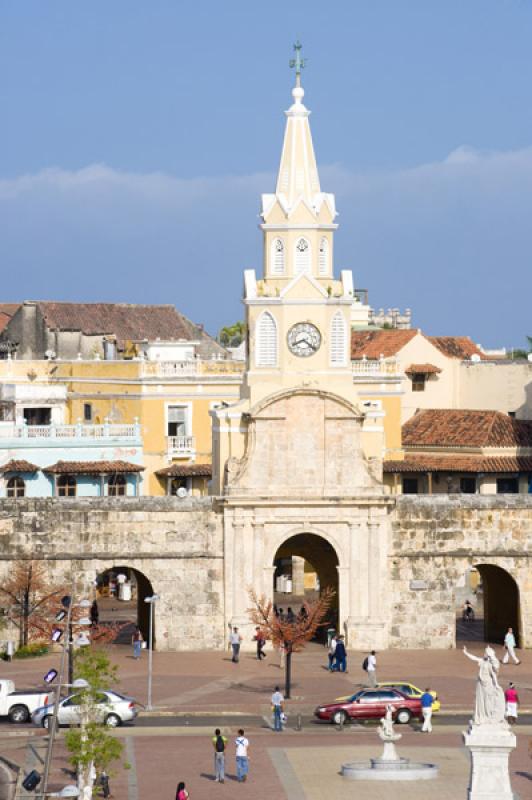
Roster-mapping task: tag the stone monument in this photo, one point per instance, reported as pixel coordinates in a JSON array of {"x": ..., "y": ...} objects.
[{"x": 489, "y": 738}]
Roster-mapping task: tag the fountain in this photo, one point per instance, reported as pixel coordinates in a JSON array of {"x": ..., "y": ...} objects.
[{"x": 390, "y": 766}]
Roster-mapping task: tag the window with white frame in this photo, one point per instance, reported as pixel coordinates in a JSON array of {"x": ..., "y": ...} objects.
[
  {"x": 323, "y": 261},
  {"x": 338, "y": 340},
  {"x": 177, "y": 421},
  {"x": 277, "y": 257},
  {"x": 266, "y": 341},
  {"x": 302, "y": 256}
]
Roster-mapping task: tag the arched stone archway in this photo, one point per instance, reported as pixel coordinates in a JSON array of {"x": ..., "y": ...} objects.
[
  {"x": 312, "y": 563},
  {"x": 124, "y": 601},
  {"x": 501, "y": 603}
]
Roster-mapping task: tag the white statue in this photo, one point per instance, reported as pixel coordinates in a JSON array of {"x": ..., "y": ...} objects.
[
  {"x": 489, "y": 699},
  {"x": 387, "y": 724}
]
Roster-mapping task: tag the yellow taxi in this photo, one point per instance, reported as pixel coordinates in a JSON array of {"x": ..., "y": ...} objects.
[{"x": 406, "y": 688}]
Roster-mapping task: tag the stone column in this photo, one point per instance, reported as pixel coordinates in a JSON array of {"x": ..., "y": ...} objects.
[
  {"x": 298, "y": 575},
  {"x": 490, "y": 746}
]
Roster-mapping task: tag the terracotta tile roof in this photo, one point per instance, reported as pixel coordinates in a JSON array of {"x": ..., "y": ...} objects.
[
  {"x": 425, "y": 369},
  {"x": 92, "y": 467},
  {"x": 18, "y": 465},
  {"x": 125, "y": 321},
  {"x": 373, "y": 344},
  {"x": 6, "y": 312},
  {"x": 461, "y": 428},
  {"x": 419, "y": 463},
  {"x": 185, "y": 471},
  {"x": 457, "y": 347}
]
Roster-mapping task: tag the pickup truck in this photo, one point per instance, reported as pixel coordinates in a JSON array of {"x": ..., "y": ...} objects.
[{"x": 19, "y": 706}]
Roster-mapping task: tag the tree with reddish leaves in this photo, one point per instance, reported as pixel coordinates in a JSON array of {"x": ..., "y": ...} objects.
[
  {"x": 292, "y": 636},
  {"x": 32, "y": 601}
]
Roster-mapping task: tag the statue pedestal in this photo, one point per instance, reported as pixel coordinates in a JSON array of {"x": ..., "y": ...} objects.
[{"x": 490, "y": 746}]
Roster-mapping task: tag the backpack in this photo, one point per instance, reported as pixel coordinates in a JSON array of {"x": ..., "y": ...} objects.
[
  {"x": 220, "y": 744},
  {"x": 365, "y": 664}
]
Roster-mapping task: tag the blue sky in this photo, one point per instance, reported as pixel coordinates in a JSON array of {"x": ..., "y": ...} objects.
[{"x": 137, "y": 138}]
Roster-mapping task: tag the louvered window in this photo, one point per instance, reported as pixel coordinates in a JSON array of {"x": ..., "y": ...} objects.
[
  {"x": 177, "y": 421},
  {"x": 277, "y": 257},
  {"x": 302, "y": 259},
  {"x": 266, "y": 341},
  {"x": 323, "y": 264},
  {"x": 338, "y": 340}
]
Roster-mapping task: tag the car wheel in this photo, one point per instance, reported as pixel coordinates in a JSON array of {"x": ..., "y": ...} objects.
[
  {"x": 113, "y": 720},
  {"x": 404, "y": 716},
  {"x": 339, "y": 717},
  {"x": 46, "y": 721},
  {"x": 18, "y": 714}
]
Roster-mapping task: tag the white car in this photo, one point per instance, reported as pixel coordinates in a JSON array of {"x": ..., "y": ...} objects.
[
  {"x": 112, "y": 709},
  {"x": 18, "y": 705}
]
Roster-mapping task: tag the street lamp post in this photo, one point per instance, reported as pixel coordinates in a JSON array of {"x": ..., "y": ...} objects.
[{"x": 151, "y": 600}]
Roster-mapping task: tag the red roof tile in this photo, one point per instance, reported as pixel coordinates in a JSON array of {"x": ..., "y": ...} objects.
[
  {"x": 464, "y": 428},
  {"x": 92, "y": 467},
  {"x": 457, "y": 347},
  {"x": 424, "y": 369},
  {"x": 375, "y": 343},
  {"x": 18, "y": 465},
  {"x": 420, "y": 463},
  {"x": 185, "y": 471},
  {"x": 6, "y": 312}
]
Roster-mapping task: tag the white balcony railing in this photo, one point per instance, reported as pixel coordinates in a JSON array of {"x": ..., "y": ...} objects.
[
  {"x": 80, "y": 431},
  {"x": 181, "y": 445},
  {"x": 376, "y": 367},
  {"x": 170, "y": 369}
]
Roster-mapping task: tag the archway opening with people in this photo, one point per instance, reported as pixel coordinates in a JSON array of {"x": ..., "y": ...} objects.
[
  {"x": 487, "y": 604},
  {"x": 121, "y": 592},
  {"x": 305, "y": 565}
]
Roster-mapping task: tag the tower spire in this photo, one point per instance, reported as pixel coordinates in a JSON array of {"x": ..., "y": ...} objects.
[{"x": 298, "y": 63}]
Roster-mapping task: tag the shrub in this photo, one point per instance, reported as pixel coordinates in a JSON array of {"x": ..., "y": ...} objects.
[{"x": 31, "y": 650}]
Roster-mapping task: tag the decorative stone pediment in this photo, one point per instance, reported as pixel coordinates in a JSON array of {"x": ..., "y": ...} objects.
[{"x": 303, "y": 443}]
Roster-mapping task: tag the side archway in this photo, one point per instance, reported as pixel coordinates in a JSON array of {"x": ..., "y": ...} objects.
[
  {"x": 120, "y": 593},
  {"x": 501, "y": 603}
]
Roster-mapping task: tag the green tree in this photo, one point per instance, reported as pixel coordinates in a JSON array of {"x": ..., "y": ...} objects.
[
  {"x": 92, "y": 748},
  {"x": 232, "y": 335},
  {"x": 520, "y": 352}
]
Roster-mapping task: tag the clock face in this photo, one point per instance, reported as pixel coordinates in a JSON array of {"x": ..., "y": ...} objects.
[{"x": 304, "y": 339}]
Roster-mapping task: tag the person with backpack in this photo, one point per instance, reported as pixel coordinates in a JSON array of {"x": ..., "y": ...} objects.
[
  {"x": 219, "y": 742},
  {"x": 369, "y": 665}
]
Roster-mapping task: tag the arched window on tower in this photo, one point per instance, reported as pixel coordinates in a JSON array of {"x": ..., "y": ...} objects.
[
  {"x": 302, "y": 257},
  {"x": 338, "y": 340},
  {"x": 323, "y": 261},
  {"x": 277, "y": 257},
  {"x": 266, "y": 341}
]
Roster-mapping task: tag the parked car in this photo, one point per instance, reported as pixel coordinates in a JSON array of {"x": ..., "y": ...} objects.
[
  {"x": 402, "y": 686},
  {"x": 112, "y": 709},
  {"x": 371, "y": 704},
  {"x": 18, "y": 705}
]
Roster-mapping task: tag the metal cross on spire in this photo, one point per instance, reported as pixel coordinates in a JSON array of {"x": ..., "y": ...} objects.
[{"x": 298, "y": 62}]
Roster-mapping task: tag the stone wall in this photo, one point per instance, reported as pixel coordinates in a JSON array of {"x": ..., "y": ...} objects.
[
  {"x": 176, "y": 544},
  {"x": 435, "y": 540}
]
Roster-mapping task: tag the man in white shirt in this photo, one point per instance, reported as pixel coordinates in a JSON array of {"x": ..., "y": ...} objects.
[
  {"x": 277, "y": 708},
  {"x": 242, "y": 758},
  {"x": 332, "y": 650},
  {"x": 235, "y": 639},
  {"x": 509, "y": 644},
  {"x": 372, "y": 669}
]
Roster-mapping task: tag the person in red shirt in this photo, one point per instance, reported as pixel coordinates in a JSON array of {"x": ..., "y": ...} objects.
[{"x": 512, "y": 701}]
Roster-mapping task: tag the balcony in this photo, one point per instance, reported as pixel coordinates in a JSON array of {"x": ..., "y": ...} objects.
[
  {"x": 48, "y": 434},
  {"x": 170, "y": 369},
  {"x": 215, "y": 367},
  {"x": 376, "y": 368},
  {"x": 180, "y": 446}
]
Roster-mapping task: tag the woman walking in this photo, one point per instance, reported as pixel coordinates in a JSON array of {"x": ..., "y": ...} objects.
[
  {"x": 181, "y": 792},
  {"x": 136, "y": 641}
]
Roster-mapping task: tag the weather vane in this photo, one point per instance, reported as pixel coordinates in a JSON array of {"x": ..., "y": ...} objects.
[{"x": 298, "y": 62}]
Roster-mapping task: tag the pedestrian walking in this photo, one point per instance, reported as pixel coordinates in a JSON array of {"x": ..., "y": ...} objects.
[
  {"x": 94, "y": 613},
  {"x": 340, "y": 655},
  {"x": 136, "y": 641},
  {"x": 181, "y": 791},
  {"x": 468, "y": 614},
  {"x": 277, "y": 709},
  {"x": 235, "y": 640},
  {"x": 282, "y": 651},
  {"x": 104, "y": 783},
  {"x": 512, "y": 701},
  {"x": 509, "y": 646},
  {"x": 427, "y": 701},
  {"x": 290, "y": 616},
  {"x": 219, "y": 742},
  {"x": 370, "y": 665},
  {"x": 242, "y": 757},
  {"x": 261, "y": 641},
  {"x": 332, "y": 648}
]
